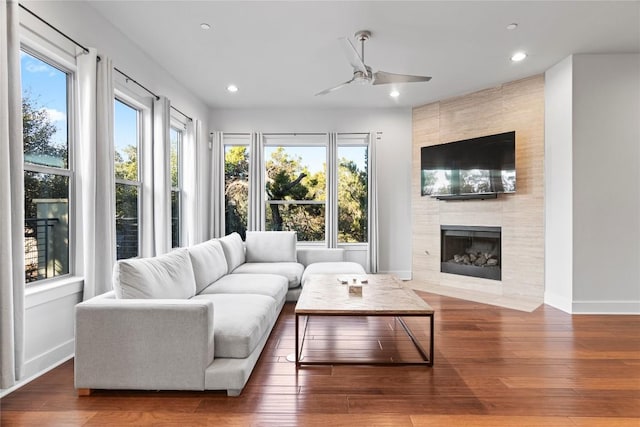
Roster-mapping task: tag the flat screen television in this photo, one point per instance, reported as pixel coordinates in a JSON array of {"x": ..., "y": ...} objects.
[{"x": 477, "y": 168}]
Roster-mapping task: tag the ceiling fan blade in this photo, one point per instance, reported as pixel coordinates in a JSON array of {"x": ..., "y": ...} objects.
[
  {"x": 352, "y": 55},
  {"x": 383, "y": 78},
  {"x": 331, "y": 89}
]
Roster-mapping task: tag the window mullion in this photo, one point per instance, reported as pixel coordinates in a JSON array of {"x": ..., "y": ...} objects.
[
  {"x": 128, "y": 182},
  {"x": 30, "y": 167},
  {"x": 296, "y": 202}
]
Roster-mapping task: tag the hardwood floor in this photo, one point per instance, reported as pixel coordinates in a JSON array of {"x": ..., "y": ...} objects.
[{"x": 493, "y": 367}]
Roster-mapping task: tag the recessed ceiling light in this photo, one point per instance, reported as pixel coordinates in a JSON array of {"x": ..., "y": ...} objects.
[
  {"x": 394, "y": 94},
  {"x": 205, "y": 26},
  {"x": 518, "y": 56},
  {"x": 232, "y": 88},
  {"x": 512, "y": 26}
]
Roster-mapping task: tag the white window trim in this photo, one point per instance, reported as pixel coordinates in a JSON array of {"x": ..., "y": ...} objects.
[
  {"x": 296, "y": 139},
  {"x": 138, "y": 183},
  {"x": 38, "y": 37},
  {"x": 143, "y": 104},
  {"x": 311, "y": 139},
  {"x": 358, "y": 139},
  {"x": 234, "y": 140},
  {"x": 296, "y": 202},
  {"x": 47, "y": 54},
  {"x": 300, "y": 139},
  {"x": 178, "y": 123}
]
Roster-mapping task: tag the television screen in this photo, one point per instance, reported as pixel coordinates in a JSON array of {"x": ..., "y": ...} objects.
[{"x": 478, "y": 166}]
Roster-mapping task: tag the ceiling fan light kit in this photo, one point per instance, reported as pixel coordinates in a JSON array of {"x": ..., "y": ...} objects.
[{"x": 362, "y": 73}]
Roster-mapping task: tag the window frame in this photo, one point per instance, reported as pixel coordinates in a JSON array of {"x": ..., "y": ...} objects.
[
  {"x": 143, "y": 110},
  {"x": 257, "y": 181},
  {"x": 181, "y": 127},
  {"x": 350, "y": 140},
  {"x": 235, "y": 140},
  {"x": 47, "y": 55},
  {"x": 302, "y": 140}
]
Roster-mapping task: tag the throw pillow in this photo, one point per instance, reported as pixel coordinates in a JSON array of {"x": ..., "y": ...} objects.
[
  {"x": 233, "y": 250},
  {"x": 209, "y": 263},
  {"x": 271, "y": 246},
  {"x": 165, "y": 276}
]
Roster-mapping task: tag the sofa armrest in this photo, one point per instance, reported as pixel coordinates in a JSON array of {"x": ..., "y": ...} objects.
[
  {"x": 308, "y": 256},
  {"x": 143, "y": 344}
]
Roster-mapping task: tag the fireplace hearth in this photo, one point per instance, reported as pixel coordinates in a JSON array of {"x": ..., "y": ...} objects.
[{"x": 471, "y": 251}]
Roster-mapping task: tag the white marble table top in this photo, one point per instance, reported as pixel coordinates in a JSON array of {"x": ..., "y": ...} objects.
[{"x": 384, "y": 294}]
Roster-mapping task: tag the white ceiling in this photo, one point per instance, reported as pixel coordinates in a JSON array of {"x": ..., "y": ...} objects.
[{"x": 281, "y": 53}]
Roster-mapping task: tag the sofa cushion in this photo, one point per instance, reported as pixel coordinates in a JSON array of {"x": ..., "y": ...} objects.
[
  {"x": 165, "y": 276},
  {"x": 233, "y": 250},
  {"x": 271, "y": 246},
  {"x": 307, "y": 256},
  {"x": 240, "y": 321},
  {"x": 341, "y": 267},
  {"x": 209, "y": 263},
  {"x": 271, "y": 285},
  {"x": 291, "y": 270}
]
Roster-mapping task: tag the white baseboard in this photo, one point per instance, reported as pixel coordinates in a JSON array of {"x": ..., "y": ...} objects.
[
  {"x": 400, "y": 274},
  {"x": 51, "y": 360},
  {"x": 606, "y": 307},
  {"x": 557, "y": 301},
  {"x": 591, "y": 307}
]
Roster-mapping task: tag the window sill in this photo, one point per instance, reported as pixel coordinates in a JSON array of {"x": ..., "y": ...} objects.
[
  {"x": 345, "y": 246},
  {"x": 354, "y": 246},
  {"x": 302, "y": 244},
  {"x": 52, "y": 290}
]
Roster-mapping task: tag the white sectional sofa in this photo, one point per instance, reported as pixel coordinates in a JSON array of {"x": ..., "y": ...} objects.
[{"x": 196, "y": 318}]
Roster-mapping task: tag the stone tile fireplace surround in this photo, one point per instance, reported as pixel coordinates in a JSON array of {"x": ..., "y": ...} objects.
[{"x": 517, "y": 106}]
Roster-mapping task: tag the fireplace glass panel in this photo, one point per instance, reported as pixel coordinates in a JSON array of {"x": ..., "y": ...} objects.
[{"x": 471, "y": 251}]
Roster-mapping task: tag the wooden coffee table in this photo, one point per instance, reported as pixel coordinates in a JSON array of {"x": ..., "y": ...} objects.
[{"x": 383, "y": 295}]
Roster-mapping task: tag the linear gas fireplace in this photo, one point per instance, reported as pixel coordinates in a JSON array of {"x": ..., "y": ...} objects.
[{"x": 471, "y": 251}]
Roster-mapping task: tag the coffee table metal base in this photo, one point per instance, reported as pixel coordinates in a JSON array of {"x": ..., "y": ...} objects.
[{"x": 426, "y": 359}]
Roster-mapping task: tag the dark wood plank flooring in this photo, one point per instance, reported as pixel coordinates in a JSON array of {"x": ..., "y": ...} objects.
[{"x": 493, "y": 367}]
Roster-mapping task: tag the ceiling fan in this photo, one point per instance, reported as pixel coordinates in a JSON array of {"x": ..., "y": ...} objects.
[{"x": 362, "y": 73}]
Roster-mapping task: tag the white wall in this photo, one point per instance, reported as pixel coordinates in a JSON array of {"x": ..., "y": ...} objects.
[
  {"x": 394, "y": 161},
  {"x": 49, "y": 308},
  {"x": 84, "y": 24},
  {"x": 593, "y": 159},
  {"x": 606, "y": 181},
  {"x": 558, "y": 167},
  {"x": 49, "y": 324}
]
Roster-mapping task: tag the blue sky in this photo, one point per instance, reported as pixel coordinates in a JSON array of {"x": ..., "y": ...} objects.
[
  {"x": 315, "y": 157},
  {"x": 47, "y": 87},
  {"x": 125, "y": 123},
  {"x": 355, "y": 153}
]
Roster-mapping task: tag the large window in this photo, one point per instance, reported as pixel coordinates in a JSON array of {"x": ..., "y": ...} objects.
[
  {"x": 312, "y": 183},
  {"x": 128, "y": 183},
  {"x": 296, "y": 187},
  {"x": 352, "y": 193},
  {"x": 175, "y": 170},
  {"x": 236, "y": 186},
  {"x": 47, "y": 172}
]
